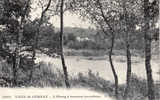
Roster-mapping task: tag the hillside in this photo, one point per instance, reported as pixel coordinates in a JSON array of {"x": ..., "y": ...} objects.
[{"x": 81, "y": 32}]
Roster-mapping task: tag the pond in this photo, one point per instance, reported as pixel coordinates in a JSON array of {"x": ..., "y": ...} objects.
[{"x": 76, "y": 64}]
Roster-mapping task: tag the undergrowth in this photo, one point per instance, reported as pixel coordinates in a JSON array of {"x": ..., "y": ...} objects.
[{"x": 48, "y": 76}]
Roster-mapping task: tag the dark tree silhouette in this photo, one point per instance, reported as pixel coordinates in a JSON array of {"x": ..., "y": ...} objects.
[
  {"x": 61, "y": 46},
  {"x": 128, "y": 54},
  {"x": 36, "y": 38},
  {"x": 100, "y": 15},
  {"x": 147, "y": 37},
  {"x": 111, "y": 48}
]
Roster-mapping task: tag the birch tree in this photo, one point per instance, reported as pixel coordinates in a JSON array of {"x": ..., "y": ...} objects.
[
  {"x": 103, "y": 15},
  {"x": 14, "y": 17},
  {"x": 61, "y": 44},
  {"x": 149, "y": 14},
  {"x": 36, "y": 37}
]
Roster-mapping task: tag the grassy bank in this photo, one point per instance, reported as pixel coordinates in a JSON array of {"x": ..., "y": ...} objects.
[
  {"x": 44, "y": 76},
  {"x": 87, "y": 52}
]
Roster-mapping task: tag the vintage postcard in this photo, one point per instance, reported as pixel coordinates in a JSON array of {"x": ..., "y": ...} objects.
[{"x": 79, "y": 50}]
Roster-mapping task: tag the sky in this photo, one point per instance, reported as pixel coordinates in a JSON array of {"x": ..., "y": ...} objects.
[{"x": 70, "y": 20}]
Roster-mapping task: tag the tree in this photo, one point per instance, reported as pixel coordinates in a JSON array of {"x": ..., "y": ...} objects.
[
  {"x": 61, "y": 45},
  {"x": 148, "y": 14},
  {"x": 13, "y": 17},
  {"x": 128, "y": 54},
  {"x": 104, "y": 15},
  {"x": 36, "y": 37},
  {"x": 20, "y": 37},
  {"x": 111, "y": 48}
]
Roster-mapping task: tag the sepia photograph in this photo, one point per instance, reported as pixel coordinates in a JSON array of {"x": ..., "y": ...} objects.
[{"x": 79, "y": 50}]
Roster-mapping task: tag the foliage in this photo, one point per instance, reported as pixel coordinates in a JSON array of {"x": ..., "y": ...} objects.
[
  {"x": 48, "y": 76},
  {"x": 109, "y": 19}
]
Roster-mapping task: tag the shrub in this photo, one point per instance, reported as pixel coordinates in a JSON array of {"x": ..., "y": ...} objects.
[{"x": 87, "y": 44}]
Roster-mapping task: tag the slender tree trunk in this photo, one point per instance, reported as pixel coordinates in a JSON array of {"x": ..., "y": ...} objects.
[
  {"x": 16, "y": 54},
  {"x": 111, "y": 48},
  {"x": 16, "y": 57},
  {"x": 16, "y": 62},
  {"x": 128, "y": 54},
  {"x": 14, "y": 83},
  {"x": 1, "y": 40},
  {"x": 128, "y": 71},
  {"x": 110, "y": 55},
  {"x": 36, "y": 38},
  {"x": 112, "y": 66},
  {"x": 147, "y": 37},
  {"x": 61, "y": 47}
]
